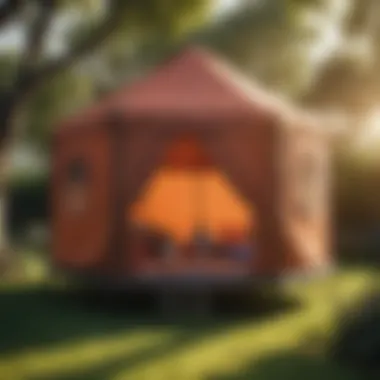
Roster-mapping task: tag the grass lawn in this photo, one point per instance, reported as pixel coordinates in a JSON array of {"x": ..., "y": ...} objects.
[{"x": 48, "y": 333}]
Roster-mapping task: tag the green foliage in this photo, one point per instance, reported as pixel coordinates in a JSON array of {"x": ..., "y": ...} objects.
[
  {"x": 146, "y": 31},
  {"x": 68, "y": 92},
  {"x": 28, "y": 202},
  {"x": 150, "y": 16},
  {"x": 356, "y": 205},
  {"x": 82, "y": 5},
  {"x": 139, "y": 21},
  {"x": 357, "y": 185},
  {"x": 302, "y": 4},
  {"x": 267, "y": 41},
  {"x": 167, "y": 17},
  {"x": 75, "y": 87},
  {"x": 357, "y": 340},
  {"x": 7, "y": 70}
]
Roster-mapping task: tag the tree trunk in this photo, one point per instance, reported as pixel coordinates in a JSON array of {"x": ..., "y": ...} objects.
[
  {"x": 10, "y": 112},
  {"x": 4, "y": 236}
]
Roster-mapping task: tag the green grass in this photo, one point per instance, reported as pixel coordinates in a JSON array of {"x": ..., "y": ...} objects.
[{"x": 48, "y": 333}]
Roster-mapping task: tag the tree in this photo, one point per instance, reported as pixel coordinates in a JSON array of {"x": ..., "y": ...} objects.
[
  {"x": 272, "y": 41},
  {"x": 119, "y": 19},
  {"x": 349, "y": 83},
  {"x": 35, "y": 75},
  {"x": 268, "y": 40}
]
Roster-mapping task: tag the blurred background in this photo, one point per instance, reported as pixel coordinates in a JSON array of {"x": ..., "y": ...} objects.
[{"x": 58, "y": 56}]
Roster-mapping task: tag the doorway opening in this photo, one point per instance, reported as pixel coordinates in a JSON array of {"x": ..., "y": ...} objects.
[{"x": 190, "y": 217}]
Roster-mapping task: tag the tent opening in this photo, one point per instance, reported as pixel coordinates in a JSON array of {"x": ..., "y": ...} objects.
[{"x": 190, "y": 212}]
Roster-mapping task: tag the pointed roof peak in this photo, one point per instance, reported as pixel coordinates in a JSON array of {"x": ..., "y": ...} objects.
[{"x": 198, "y": 83}]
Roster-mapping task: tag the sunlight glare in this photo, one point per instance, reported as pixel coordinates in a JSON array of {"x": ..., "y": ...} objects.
[{"x": 369, "y": 137}]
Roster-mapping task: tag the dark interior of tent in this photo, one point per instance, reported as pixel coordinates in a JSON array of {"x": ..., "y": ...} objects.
[{"x": 190, "y": 217}]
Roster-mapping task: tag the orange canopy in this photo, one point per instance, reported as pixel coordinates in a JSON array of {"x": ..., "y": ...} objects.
[{"x": 186, "y": 190}]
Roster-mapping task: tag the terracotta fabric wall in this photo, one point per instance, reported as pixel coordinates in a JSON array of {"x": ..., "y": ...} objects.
[
  {"x": 305, "y": 200},
  {"x": 248, "y": 158},
  {"x": 81, "y": 216},
  {"x": 255, "y": 179}
]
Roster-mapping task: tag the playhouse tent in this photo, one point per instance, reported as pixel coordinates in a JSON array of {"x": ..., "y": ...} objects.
[{"x": 254, "y": 162}]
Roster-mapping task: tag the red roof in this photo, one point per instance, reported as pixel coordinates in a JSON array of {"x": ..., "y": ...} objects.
[{"x": 193, "y": 84}]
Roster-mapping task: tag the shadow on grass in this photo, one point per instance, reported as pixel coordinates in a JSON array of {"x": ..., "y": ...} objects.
[
  {"x": 293, "y": 366},
  {"x": 33, "y": 319}
]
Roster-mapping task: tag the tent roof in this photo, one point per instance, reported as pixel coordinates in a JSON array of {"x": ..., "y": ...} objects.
[{"x": 197, "y": 84}]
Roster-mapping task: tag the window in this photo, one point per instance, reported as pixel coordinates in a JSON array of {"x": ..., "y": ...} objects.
[{"x": 77, "y": 173}]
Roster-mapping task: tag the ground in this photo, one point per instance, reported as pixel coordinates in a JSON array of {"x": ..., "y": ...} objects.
[{"x": 49, "y": 333}]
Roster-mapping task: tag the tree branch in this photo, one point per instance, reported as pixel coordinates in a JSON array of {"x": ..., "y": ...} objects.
[
  {"x": 12, "y": 99},
  {"x": 97, "y": 37},
  {"x": 8, "y": 10},
  {"x": 36, "y": 35}
]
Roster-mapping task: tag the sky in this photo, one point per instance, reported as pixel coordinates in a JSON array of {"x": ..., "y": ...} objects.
[
  {"x": 12, "y": 37},
  {"x": 9, "y": 37},
  {"x": 329, "y": 25},
  {"x": 225, "y": 6}
]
